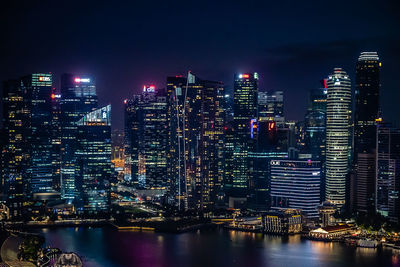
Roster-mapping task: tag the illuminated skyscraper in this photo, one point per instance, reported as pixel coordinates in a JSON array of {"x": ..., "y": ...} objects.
[
  {"x": 366, "y": 112},
  {"x": 245, "y": 110},
  {"x": 93, "y": 161},
  {"x": 16, "y": 154},
  {"x": 32, "y": 144},
  {"x": 337, "y": 136},
  {"x": 147, "y": 138},
  {"x": 78, "y": 97},
  {"x": 39, "y": 87},
  {"x": 367, "y": 102},
  {"x": 315, "y": 120},
  {"x": 197, "y": 106},
  {"x": 296, "y": 184},
  {"x": 131, "y": 142},
  {"x": 264, "y": 132}
]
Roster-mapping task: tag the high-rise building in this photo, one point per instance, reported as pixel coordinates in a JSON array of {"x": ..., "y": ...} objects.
[
  {"x": 131, "y": 142},
  {"x": 337, "y": 136},
  {"x": 39, "y": 86},
  {"x": 245, "y": 111},
  {"x": 197, "y": 107},
  {"x": 315, "y": 123},
  {"x": 388, "y": 171},
  {"x": 147, "y": 138},
  {"x": 264, "y": 132},
  {"x": 366, "y": 112},
  {"x": 296, "y": 184},
  {"x": 16, "y": 154},
  {"x": 93, "y": 164},
  {"x": 78, "y": 97},
  {"x": 32, "y": 154},
  {"x": 366, "y": 102},
  {"x": 315, "y": 129}
]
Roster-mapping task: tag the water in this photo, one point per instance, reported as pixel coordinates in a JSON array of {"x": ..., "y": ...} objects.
[{"x": 111, "y": 248}]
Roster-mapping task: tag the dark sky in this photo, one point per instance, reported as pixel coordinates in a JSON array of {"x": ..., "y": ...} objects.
[{"x": 125, "y": 44}]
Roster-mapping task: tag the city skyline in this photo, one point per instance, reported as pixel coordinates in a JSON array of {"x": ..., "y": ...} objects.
[{"x": 199, "y": 133}]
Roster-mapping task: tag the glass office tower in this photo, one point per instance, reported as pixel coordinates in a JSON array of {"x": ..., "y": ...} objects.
[
  {"x": 93, "y": 164},
  {"x": 78, "y": 97}
]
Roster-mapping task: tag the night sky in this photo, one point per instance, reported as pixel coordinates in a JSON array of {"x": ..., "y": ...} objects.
[{"x": 125, "y": 44}]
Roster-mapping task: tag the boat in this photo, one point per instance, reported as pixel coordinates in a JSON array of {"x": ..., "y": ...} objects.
[{"x": 367, "y": 243}]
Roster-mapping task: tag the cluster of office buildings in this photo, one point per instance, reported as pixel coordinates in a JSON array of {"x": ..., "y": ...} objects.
[
  {"x": 56, "y": 144},
  {"x": 197, "y": 146}
]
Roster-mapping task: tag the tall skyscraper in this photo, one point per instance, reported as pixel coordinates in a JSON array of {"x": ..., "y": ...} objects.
[
  {"x": 39, "y": 86},
  {"x": 315, "y": 129},
  {"x": 131, "y": 142},
  {"x": 388, "y": 172},
  {"x": 245, "y": 110},
  {"x": 198, "y": 109},
  {"x": 366, "y": 102},
  {"x": 146, "y": 130},
  {"x": 16, "y": 154},
  {"x": 32, "y": 140},
  {"x": 366, "y": 112},
  {"x": 93, "y": 164},
  {"x": 315, "y": 123},
  {"x": 337, "y": 136},
  {"x": 296, "y": 184},
  {"x": 78, "y": 97}
]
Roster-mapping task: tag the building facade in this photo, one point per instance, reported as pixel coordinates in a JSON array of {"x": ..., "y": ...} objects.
[
  {"x": 366, "y": 112},
  {"x": 78, "y": 97},
  {"x": 93, "y": 165},
  {"x": 245, "y": 111},
  {"x": 337, "y": 136},
  {"x": 296, "y": 184},
  {"x": 388, "y": 171}
]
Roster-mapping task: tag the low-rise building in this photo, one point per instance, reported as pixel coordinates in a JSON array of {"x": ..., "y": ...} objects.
[
  {"x": 331, "y": 232},
  {"x": 285, "y": 221}
]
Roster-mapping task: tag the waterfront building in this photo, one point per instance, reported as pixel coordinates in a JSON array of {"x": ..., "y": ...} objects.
[
  {"x": 388, "y": 171},
  {"x": 93, "y": 168},
  {"x": 331, "y": 232},
  {"x": 283, "y": 222},
  {"x": 296, "y": 184},
  {"x": 78, "y": 97},
  {"x": 337, "y": 136},
  {"x": 245, "y": 110},
  {"x": 366, "y": 112}
]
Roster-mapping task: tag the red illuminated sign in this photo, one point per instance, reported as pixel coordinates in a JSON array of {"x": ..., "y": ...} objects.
[
  {"x": 246, "y": 76},
  {"x": 271, "y": 125},
  {"x": 81, "y": 80}
]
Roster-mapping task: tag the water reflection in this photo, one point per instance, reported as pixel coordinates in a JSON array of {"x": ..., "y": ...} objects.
[{"x": 108, "y": 247}]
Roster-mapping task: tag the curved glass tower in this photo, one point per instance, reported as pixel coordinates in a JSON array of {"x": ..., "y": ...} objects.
[{"x": 337, "y": 136}]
